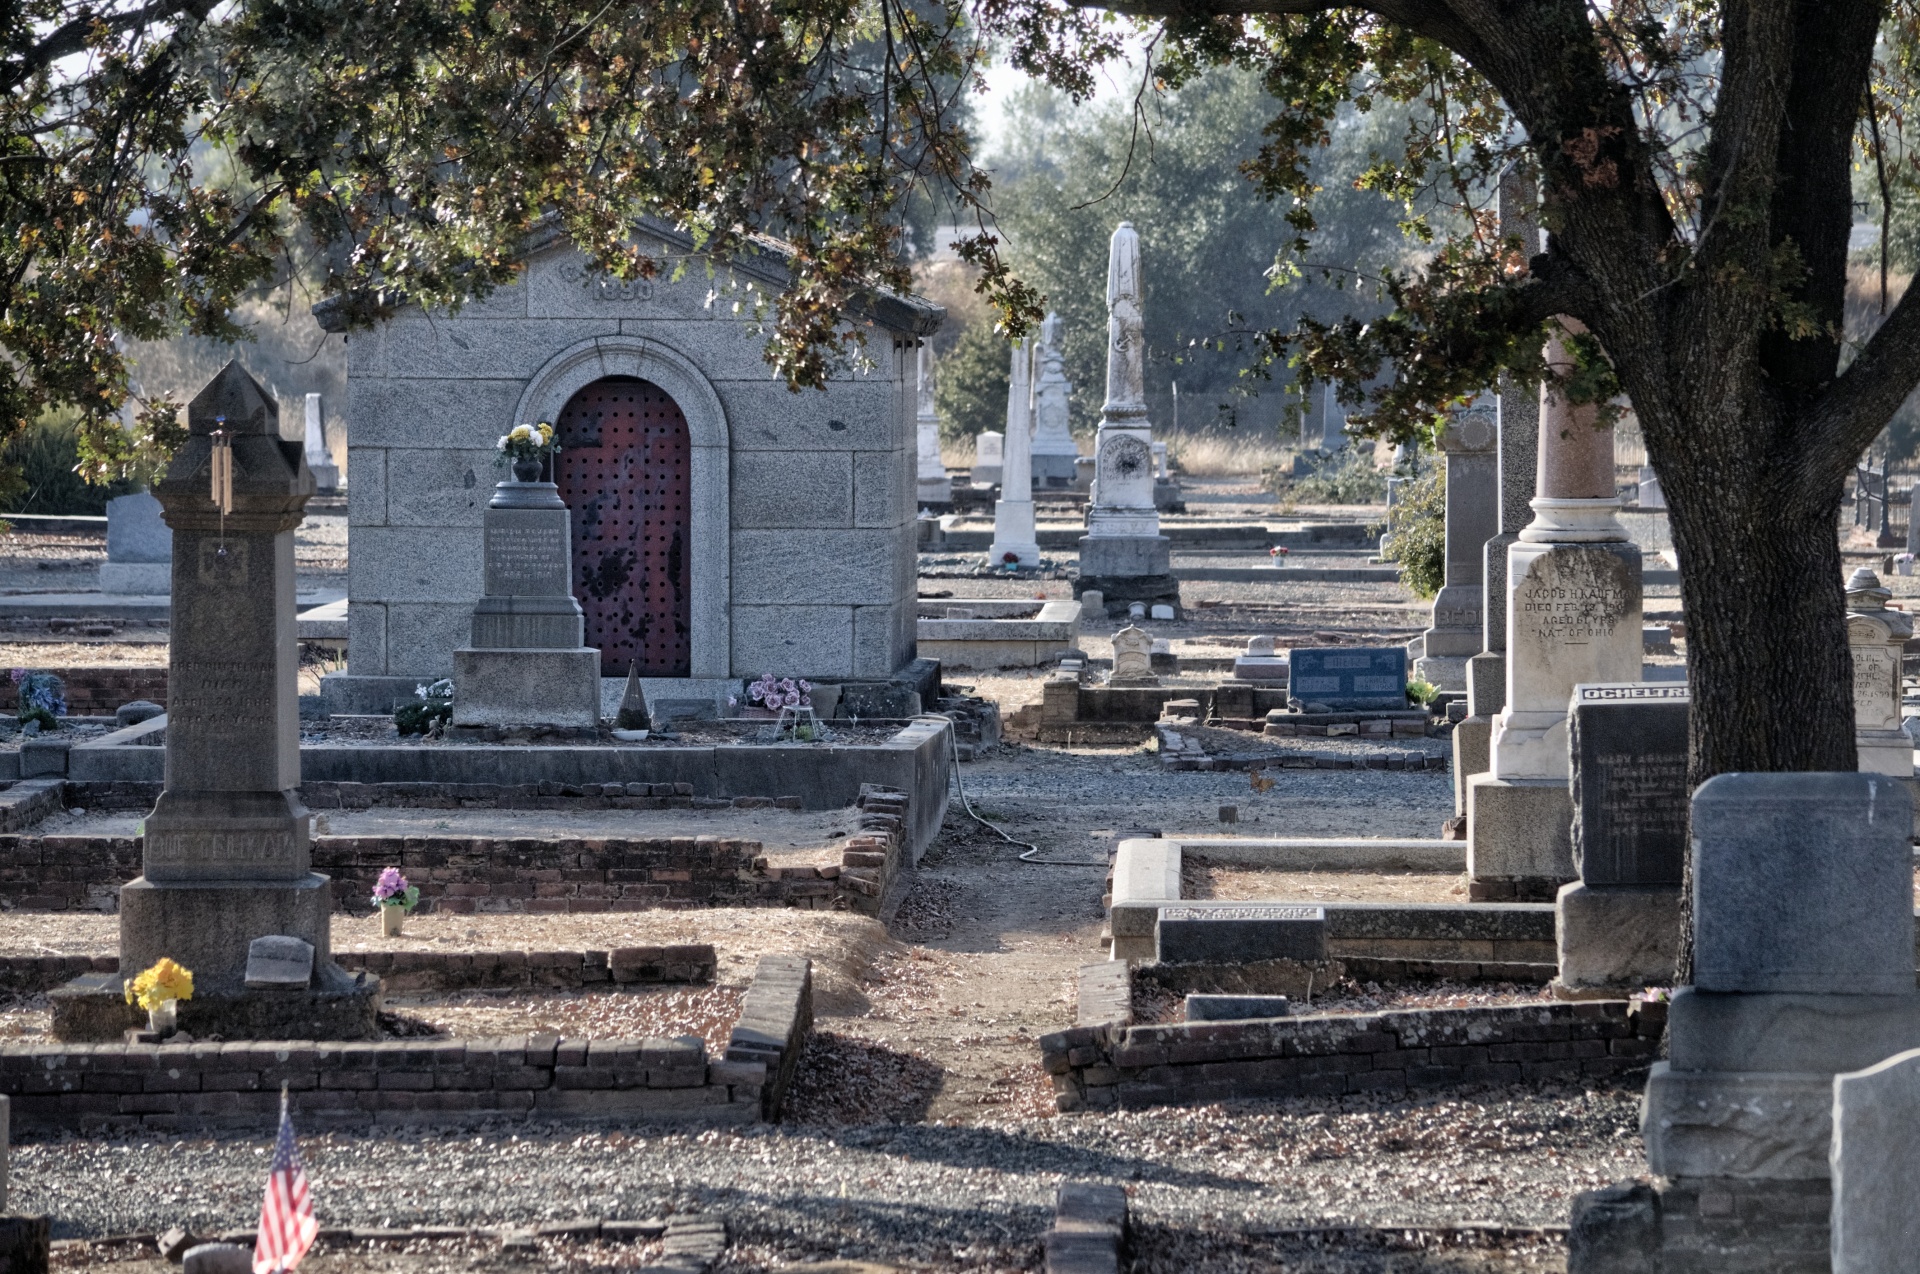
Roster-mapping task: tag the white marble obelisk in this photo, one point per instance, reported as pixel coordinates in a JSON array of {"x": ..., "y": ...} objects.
[
  {"x": 1054, "y": 450},
  {"x": 326, "y": 474},
  {"x": 1013, "y": 537},
  {"x": 1123, "y": 554},
  {"x": 935, "y": 489}
]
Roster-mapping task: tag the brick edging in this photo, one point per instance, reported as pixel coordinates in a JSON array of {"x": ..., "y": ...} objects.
[
  {"x": 211, "y": 1086},
  {"x": 1103, "y": 1067}
]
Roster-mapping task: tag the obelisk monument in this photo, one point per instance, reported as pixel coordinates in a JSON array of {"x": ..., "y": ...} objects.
[
  {"x": 934, "y": 491},
  {"x": 1014, "y": 544},
  {"x": 227, "y": 857},
  {"x": 1123, "y": 555},
  {"x": 1573, "y": 616}
]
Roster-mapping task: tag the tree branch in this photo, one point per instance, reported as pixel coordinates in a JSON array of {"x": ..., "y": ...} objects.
[
  {"x": 1856, "y": 406},
  {"x": 71, "y": 37}
]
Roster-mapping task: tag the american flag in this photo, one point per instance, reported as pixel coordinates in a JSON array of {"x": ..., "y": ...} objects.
[{"x": 287, "y": 1227}]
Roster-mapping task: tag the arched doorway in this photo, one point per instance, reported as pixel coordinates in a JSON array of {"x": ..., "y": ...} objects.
[{"x": 624, "y": 472}]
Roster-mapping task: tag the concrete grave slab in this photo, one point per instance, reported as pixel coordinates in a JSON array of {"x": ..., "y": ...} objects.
[{"x": 1240, "y": 932}]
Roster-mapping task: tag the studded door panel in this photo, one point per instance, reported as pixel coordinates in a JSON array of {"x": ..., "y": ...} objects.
[{"x": 624, "y": 473}]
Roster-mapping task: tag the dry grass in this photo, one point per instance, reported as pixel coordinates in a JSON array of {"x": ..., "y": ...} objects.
[{"x": 1216, "y": 455}]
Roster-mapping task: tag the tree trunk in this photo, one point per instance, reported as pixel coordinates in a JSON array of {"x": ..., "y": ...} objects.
[{"x": 1762, "y": 588}]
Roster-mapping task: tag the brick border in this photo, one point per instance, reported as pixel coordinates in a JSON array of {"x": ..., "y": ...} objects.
[
  {"x": 1186, "y": 1063},
  {"x": 466, "y": 874},
  {"x": 98, "y": 689},
  {"x": 92, "y": 1088}
]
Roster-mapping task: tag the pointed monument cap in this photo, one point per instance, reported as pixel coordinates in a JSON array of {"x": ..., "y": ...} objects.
[{"x": 247, "y": 408}]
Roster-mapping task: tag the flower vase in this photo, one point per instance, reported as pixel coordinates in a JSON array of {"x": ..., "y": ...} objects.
[
  {"x": 164, "y": 1017},
  {"x": 391, "y": 918},
  {"x": 526, "y": 471}
]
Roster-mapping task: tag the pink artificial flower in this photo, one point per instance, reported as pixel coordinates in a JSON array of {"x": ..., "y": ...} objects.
[{"x": 390, "y": 884}]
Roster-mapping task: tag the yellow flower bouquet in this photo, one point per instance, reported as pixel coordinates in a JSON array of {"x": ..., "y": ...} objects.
[{"x": 164, "y": 983}]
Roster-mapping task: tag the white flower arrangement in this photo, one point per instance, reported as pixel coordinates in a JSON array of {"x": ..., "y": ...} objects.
[{"x": 526, "y": 442}]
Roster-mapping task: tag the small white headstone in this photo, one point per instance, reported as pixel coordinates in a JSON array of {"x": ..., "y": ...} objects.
[
  {"x": 279, "y": 960},
  {"x": 989, "y": 447},
  {"x": 1132, "y": 654},
  {"x": 1093, "y": 603},
  {"x": 1260, "y": 646},
  {"x": 1162, "y": 611}
]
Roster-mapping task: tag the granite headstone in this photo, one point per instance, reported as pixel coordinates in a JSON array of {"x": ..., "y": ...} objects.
[
  {"x": 1803, "y": 883},
  {"x": 1629, "y": 744},
  {"x": 1875, "y": 1156},
  {"x": 139, "y": 547},
  {"x": 1349, "y": 678}
]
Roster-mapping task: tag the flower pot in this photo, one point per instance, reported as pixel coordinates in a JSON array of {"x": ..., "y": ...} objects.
[
  {"x": 526, "y": 471},
  {"x": 391, "y": 918},
  {"x": 164, "y": 1017}
]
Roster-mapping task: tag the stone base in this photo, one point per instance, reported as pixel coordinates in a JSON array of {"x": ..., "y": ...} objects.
[
  {"x": 1054, "y": 470},
  {"x": 351, "y": 694},
  {"x": 1471, "y": 741},
  {"x": 1620, "y": 937},
  {"x": 527, "y": 688},
  {"x": 206, "y": 925},
  {"x": 1775, "y": 1125},
  {"x": 340, "y": 1006},
  {"x": 528, "y": 623},
  {"x": 1118, "y": 590},
  {"x": 138, "y": 579},
  {"x": 1701, "y": 1226},
  {"x": 1125, "y": 556},
  {"x": 1520, "y": 830}
]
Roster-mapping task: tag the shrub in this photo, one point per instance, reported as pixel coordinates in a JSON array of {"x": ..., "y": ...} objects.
[
  {"x": 1347, "y": 476},
  {"x": 44, "y": 455},
  {"x": 1417, "y": 533}
]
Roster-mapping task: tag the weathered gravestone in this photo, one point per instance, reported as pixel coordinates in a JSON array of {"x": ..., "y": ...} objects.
[
  {"x": 1619, "y": 924},
  {"x": 1237, "y": 934},
  {"x": 326, "y": 474},
  {"x": 526, "y": 666},
  {"x": 1133, "y": 658},
  {"x": 1876, "y": 638},
  {"x": 1260, "y": 662},
  {"x": 1803, "y": 969},
  {"x": 1875, "y": 1157},
  {"x": 1349, "y": 678},
  {"x": 139, "y": 547},
  {"x": 226, "y": 852},
  {"x": 1473, "y": 517}
]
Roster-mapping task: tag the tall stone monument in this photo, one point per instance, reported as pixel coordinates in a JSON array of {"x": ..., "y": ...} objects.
[
  {"x": 227, "y": 858},
  {"x": 1123, "y": 555},
  {"x": 1054, "y": 450},
  {"x": 326, "y": 474},
  {"x": 1519, "y": 441},
  {"x": 934, "y": 490},
  {"x": 1876, "y": 637},
  {"x": 1573, "y": 616},
  {"x": 1803, "y": 970},
  {"x": 1473, "y": 515},
  {"x": 527, "y": 666},
  {"x": 1014, "y": 543}
]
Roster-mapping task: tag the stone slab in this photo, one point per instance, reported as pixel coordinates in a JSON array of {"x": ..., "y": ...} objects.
[
  {"x": 1624, "y": 936},
  {"x": 1875, "y": 1161},
  {"x": 1236, "y": 1008},
  {"x": 1127, "y": 556},
  {"x": 1803, "y": 883},
  {"x": 279, "y": 960},
  {"x": 1772, "y": 1126},
  {"x": 1236, "y": 933},
  {"x": 1629, "y": 750},
  {"x": 1720, "y": 1031},
  {"x": 1349, "y": 678}
]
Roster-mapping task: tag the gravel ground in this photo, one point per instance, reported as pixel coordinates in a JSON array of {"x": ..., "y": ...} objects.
[
  {"x": 1201, "y": 878},
  {"x": 925, "y": 1194}
]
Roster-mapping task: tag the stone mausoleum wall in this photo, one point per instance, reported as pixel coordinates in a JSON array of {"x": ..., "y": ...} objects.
[{"x": 802, "y": 553}]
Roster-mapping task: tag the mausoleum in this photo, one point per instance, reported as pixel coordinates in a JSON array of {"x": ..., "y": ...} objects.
[{"x": 722, "y": 525}]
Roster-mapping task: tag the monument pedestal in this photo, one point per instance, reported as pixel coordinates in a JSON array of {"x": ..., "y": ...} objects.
[
  {"x": 527, "y": 667},
  {"x": 1615, "y": 939}
]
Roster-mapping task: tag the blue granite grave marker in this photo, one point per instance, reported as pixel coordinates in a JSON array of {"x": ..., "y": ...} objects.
[{"x": 1350, "y": 678}]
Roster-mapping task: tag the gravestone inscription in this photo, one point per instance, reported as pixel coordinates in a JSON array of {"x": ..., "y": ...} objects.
[
  {"x": 1629, "y": 746},
  {"x": 1349, "y": 679}
]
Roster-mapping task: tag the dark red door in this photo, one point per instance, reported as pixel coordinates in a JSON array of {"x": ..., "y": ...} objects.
[{"x": 624, "y": 473}]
